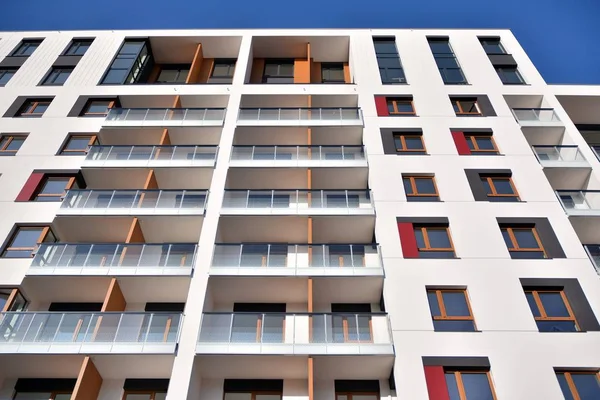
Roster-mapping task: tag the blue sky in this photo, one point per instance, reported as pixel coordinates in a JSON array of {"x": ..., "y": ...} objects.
[{"x": 560, "y": 36}]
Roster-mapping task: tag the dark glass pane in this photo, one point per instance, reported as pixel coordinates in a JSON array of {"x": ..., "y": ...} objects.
[
  {"x": 41, "y": 108},
  {"x": 398, "y": 142},
  {"x": 564, "y": 386},
  {"x": 526, "y": 239},
  {"x": 405, "y": 107},
  {"x": 15, "y": 144},
  {"x": 54, "y": 186},
  {"x": 433, "y": 304},
  {"x": 527, "y": 254},
  {"x": 413, "y": 142},
  {"x": 223, "y": 70},
  {"x": 407, "y": 186},
  {"x": 507, "y": 238},
  {"x": 453, "y": 326},
  {"x": 486, "y": 186},
  {"x": 123, "y": 62},
  {"x": 78, "y": 143},
  {"x": 469, "y": 106},
  {"x": 385, "y": 47},
  {"x": 452, "y": 386},
  {"x": 425, "y": 186},
  {"x": 286, "y": 70},
  {"x": 447, "y": 62},
  {"x": 477, "y": 386},
  {"x": 510, "y": 76},
  {"x": 115, "y": 76},
  {"x": 533, "y": 305},
  {"x": 390, "y": 61},
  {"x": 456, "y": 304},
  {"x": 438, "y": 238},
  {"x": 26, "y": 237},
  {"x": 420, "y": 238},
  {"x": 554, "y": 305},
  {"x": 131, "y": 47},
  {"x": 556, "y": 326},
  {"x": 587, "y": 386},
  {"x": 5, "y": 76},
  {"x": 453, "y": 76},
  {"x": 98, "y": 107},
  {"x": 503, "y": 186},
  {"x": 390, "y": 106},
  {"x": 485, "y": 143},
  {"x": 492, "y": 47},
  {"x": 455, "y": 107},
  {"x": 393, "y": 75},
  {"x": 440, "y": 47}
]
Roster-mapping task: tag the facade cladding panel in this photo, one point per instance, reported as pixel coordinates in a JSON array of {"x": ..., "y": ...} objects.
[{"x": 206, "y": 215}]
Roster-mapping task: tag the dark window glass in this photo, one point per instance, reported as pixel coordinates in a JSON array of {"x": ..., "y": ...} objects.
[
  {"x": 564, "y": 386},
  {"x": 54, "y": 188},
  {"x": 456, "y": 304},
  {"x": 34, "y": 108},
  {"x": 97, "y": 108},
  {"x": 492, "y": 46},
  {"x": 173, "y": 75},
  {"x": 6, "y": 74},
  {"x": 438, "y": 238},
  {"x": 587, "y": 385},
  {"x": 550, "y": 309},
  {"x": 440, "y": 46},
  {"x": 400, "y": 106},
  {"x": 485, "y": 143},
  {"x": 26, "y": 48},
  {"x": 533, "y": 305},
  {"x": 452, "y": 386},
  {"x": 78, "y": 145},
  {"x": 25, "y": 240},
  {"x": 433, "y": 304},
  {"x": 510, "y": 75},
  {"x": 57, "y": 76},
  {"x": 477, "y": 386},
  {"x": 414, "y": 142},
  {"x": 223, "y": 69},
  {"x": 78, "y": 47},
  {"x": 553, "y": 304},
  {"x": 388, "y": 60},
  {"x": 332, "y": 73},
  {"x": 9, "y": 145},
  {"x": 129, "y": 63},
  {"x": 420, "y": 188},
  {"x": 279, "y": 71}
]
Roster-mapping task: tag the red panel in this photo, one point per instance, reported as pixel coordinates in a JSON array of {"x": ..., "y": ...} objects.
[
  {"x": 461, "y": 143},
  {"x": 30, "y": 186},
  {"x": 436, "y": 383},
  {"x": 381, "y": 106},
  {"x": 408, "y": 241}
]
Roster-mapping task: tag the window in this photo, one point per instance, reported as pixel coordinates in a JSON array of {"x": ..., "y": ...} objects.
[
  {"x": 446, "y": 62},
  {"x": 279, "y": 71},
  {"x": 42, "y": 396},
  {"x": 57, "y": 76},
  {"x": 26, "y": 48},
  {"x": 222, "y": 71},
  {"x": 400, "y": 106},
  {"x": 523, "y": 242},
  {"x": 481, "y": 144},
  {"x": 492, "y": 46},
  {"x": 144, "y": 395},
  {"x": 469, "y": 385},
  {"x": 510, "y": 75},
  {"x": 499, "y": 188},
  {"x": 582, "y": 385},
  {"x": 409, "y": 143},
  {"x": 356, "y": 396},
  {"x": 10, "y": 144},
  {"x": 6, "y": 74},
  {"x": 173, "y": 74},
  {"x": 257, "y": 395},
  {"x": 25, "y": 239},
  {"x": 97, "y": 107},
  {"x": 388, "y": 60},
  {"x": 434, "y": 241},
  {"x": 332, "y": 73},
  {"x": 12, "y": 300},
  {"x": 78, "y": 47},
  {"x": 129, "y": 64},
  {"x": 464, "y": 106},
  {"x": 450, "y": 310},
  {"x": 34, "y": 108},
  {"x": 53, "y": 188},
  {"x": 551, "y": 310},
  {"x": 420, "y": 188},
  {"x": 78, "y": 144}
]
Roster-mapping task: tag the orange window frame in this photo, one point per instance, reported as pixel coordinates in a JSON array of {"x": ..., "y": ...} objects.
[
  {"x": 253, "y": 393},
  {"x": 9, "y": 139},
  {"x": 461, "y": 111},
  {"x": 403, "y": 138},
  {"x": 91, "y": 142},
  {"x": 428, "y": 247},
  {"x": 571, "y": 382},
  {"x": 513, "y": 239},
  {"x": 473, "y": 140},
  {"x": 28, "y": 109},
  {"x": 413, "y": 185},
  {"x": 442, "y": 306},
  {"x": 490, "y": 181},
  {"x": 395, "y": 102},
  {"x": 90, "y": 102},
  {"x": 68, "y": 186},
  {"x": 41, "y": 237},
  {"x": 544, "y": 316},
  {"x": 152, "y": 393},
  {"x": 461, "y": 387}
]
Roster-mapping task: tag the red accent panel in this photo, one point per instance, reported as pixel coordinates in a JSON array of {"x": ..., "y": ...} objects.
[
  {"x": 436, "y": 383},
  {"x": 408, "y": 241},
  {"x": 381, "y": 106},
  {"x": 30, "y": 186},
  {"x": 461, "y": 143}
]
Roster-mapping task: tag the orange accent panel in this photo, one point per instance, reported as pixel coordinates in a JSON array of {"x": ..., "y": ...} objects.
[
  {"x": 114, "y": 301},
  {"x": 347, "y": 76},
  {"x": 177, "y": 102},
  {"x": 311, "y": 379},
  {"x": 88, "y": 382},
  {"x": 301, "y": 71},
  {"x": 165, "y": 140},
  {"x": 205, "y": 70},
  {"x": 258, "y": 68},
  {"x": 315, "y": 72},
  {"x": 151, "y": 182},
  {"x": 193, "y": 76},
  {"x": 310, "y": 295},
  {"x": 135, "y": 234}
]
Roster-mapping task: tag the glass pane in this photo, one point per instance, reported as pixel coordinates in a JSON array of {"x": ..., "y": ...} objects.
[
  {"x": 41, "y": 108},
  {"x": 440, "y": 47},
  {"x": 167, "y": 75},
  {"x": 238, "y": 396},
  {"x": 413, "y": 142},
  {"x": 407, "y": 186},
  {"x": 404, "y": 106},
  {"x": 503, "y": 186},
  {"x": 221, "y": 70},
  {"x": 138, "y": 396},
  {"x": 526, "y": 239},
  {"x": 453, "y": 326},
  {"x": 245, "y": 328},
  {"x": 160, "y": 396},
  {"x": 97, "y": 107},
  {"x": 484, "y": 143},
  {"x": 385, "y": 47},
  {"x": 62, "y": 77},
  {"x": 477, "y": 386},
  {"x": 469, "y": 106},
  {"x": 15, "y": 144},
  {"x": 533, "y": 305},
  {"x": 390, "y": 106},
  {"x": 131, "y": 47},
  {"x": 55, "y": 186},
  {"x": 587, "y": 386},
  {"x": 453, "y": 75},
  {"x": 486, "y": 185},
  {"x": 556, "y": 326},
  {"x": 438, "y": 238},
  {"x": 420, "y": 238},
  {"x": 26, "y": 237},
  {"x": 456, "y": 304},
  {"x": 507, "y": 239},
  {"x": 33, "y": 396},
  {"x": 564, "y": 386},
  {"x": 554, "y": 305},
  {"x": 268, "y": 397},
  {"x": 452, "y": 386},
  {"x": 425, "y": 185},
  {"x": 78, "y": 143},
  {"x": 64, "y": 396},
  {"x": 433, "y": 304}
]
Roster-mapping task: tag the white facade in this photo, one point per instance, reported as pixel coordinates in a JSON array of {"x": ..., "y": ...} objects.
[{"x": 521, "y": 358}]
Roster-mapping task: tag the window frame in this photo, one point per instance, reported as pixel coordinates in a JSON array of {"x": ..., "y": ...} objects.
[
  {"x": 326, "y": 66},
  {"x": 152, "y": 393},
  {"x": 254, "y": 393},
  {"x": 460, "y": 385},
  {"x": 53, "y": 394},
  {"x": 490, "y": 181},
  {"x": 483, "y": 40},
  {"x": 64, "y": 151},
  {"x": 456, "y": 101},
  {"x": 28, "y": 43},
  {"x": 38, "y": 193},
  {"x": 442, "y": 307},
  {"x": 43, "y": 235},
  {"x": 224, "y": 61},
  {"x": 476, "y": 150},
  {"x": 571, "y": 383},
  {"x": 394, "y": 102},
  {"x": 33, "y": 104},
  {"x": 10, "y": 138},
  {"x": 179, "y": 69},
  {"x": 402, "y": 137},
  {"x": 413, "y": 184},
  {"x": 513, "y": 239},
  {"x": 85, "y": 113},
  {"x": 76, "y": 43},
  {"x": 540, "y": 305},
  {"x": 279, "y": 62},
  {"x": 46, "y": 82},
  {"x": 428, "y": 247},
  {"x": 349, "y": 395},
  {"x": 7, "y": 70},
  {"x": 500, "y": 71}
]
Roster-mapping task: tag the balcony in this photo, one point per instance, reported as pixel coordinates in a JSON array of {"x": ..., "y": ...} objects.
[
  {"x": 164, "y": 117},
  {"x": 297, "y": 260},
  {"x": 133, "y": 202},
  {"x": 295, "y": 333},
  {"x": 113, "y": 259},
  {"x": 298, "y": 156},
  {"x": 151, "y": 156},
  {"x": 300, "y": 116},
  {"x": 584, "y": 203},
  {"x": 298, "y": 202},
  {"x": 89, "y": 333},
  {"x": 593, "y": 251},
  {"x": 560, "y": 156},
  {"x": 536, "y": 117}
]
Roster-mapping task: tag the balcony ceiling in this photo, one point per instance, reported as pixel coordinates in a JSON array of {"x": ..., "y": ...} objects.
[
  {"x": 324, "y": 48},
  {"x": 251, "y": 367},
  {"x": 582, "y": 109},
  {"x": 164, "y": 101},
  {"x": 524, "y": 101},
  {"x": 297, "y": 101},
  {"x": 181, "y": 50},
  {"x": 151, "y": 136},
  {"x": 568, "y": 178},
  {"x": 135, "y": 178},
  {"x": 40, "y": 366},
  {"x": 296, "y": 178},
  {"x": 269, "y": 136}
]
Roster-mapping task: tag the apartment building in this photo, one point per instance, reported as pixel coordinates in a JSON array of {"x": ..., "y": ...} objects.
[{"x": 295, "y": 214}]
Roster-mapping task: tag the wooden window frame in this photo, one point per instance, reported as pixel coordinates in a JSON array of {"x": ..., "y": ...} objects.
[
  {"x": 428, "y": 247},
  {"x": 413, "y": 185},
  {"x": 457, "y": 102},
  {"x": 461, "y": 387},
  {"x": 403, "y": 137},
  {"x": 544, "y": 316},
  {"x": 68, "y": 186},
  {"x": 395, "y": 101},
  {"x": 10, "y": 138},
  {"x": 513, "y": 239},
  {"x": 152, "y": 393},
  {"x": 64, "y": 149},
  {"x": 88, "y": 104},
  {"x": 349, "y": 395},
  {"x": 473, "y": 139},
  {"x": 490, "y": 181},
  {"x": 571, "y": 383},
  {"x": 442, "y": 306},
  {"x": 254, "y": 393},
  {"x": 43, "y": 235},
  {"x": 32, "y": 104}
]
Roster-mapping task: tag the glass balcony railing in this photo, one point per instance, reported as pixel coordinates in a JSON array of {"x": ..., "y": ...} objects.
[
  {"x": 346, "y": 115},
  {"x": 136, "y": 199},
  {"x": 114, "y": 255},
  {"x": 107, "y": 155},
  {"x": 35, "y": 328},
  {"x": 167, "y": 116},
  {"x": 558, "y": 153},
  {"x": 299, "y": 200},
  {"x": 297, "y": 256},
  {"x": 579, "y": 201},
  {"x": 593, "y": 251},
  {"x": 283, "y": 154},
  {"x": 535, "y": 115}
]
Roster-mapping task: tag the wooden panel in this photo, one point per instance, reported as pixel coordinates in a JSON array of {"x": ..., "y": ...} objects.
[
  {"x": 88, "y": 382},
  {"x": 135, "y": 234},
  {"x": 114, "y": 301},
  {"x": 347, "y": 76},
  {"x": 205, "y": 70},
  {"x": 315, "y": 72},
  {"x": 30, "y": 187},
  {"x": 310, "y": 295},
  {"x": 258, "y": 67},
  {"x": 301, "y": 71},
  {"x": 194, "y": 75},
  {"x": 151, "y": 182}
]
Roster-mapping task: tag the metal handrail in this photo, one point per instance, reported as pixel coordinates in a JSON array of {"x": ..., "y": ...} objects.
[
  {"x": 558, "y": 153},
  {"x": 165, "y": 198},
  {"x": 300, "y": 113},
  {"x": 164, "y": 114},
  {"x": 299, "y": 152}
]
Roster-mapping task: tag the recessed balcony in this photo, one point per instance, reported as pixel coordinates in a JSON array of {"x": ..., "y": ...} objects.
[
  {"x": 113, "y": 259},
  {"x": 295, "y": 333},
  {"x": 89, "y": 333},
  {"x": 298, "y": 202},
  {"x": 298, "y": 156},
  {"x": 133, "y": 202},
  {"x": 565, "y": 156},
  {"x": 585, "y": 203},
  {"x": 297, "y": 260},
  {"x": 300, "y": 116},
  {"x": 164, "y": 117},
  {"x": 151, "y": 156},
  {"x": 535, "y": 117}
]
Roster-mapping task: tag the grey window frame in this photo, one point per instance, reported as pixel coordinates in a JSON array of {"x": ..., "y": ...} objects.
[
  {"x": 46, "y": 80},
  {"x": 325, "y": 66},
  {"x": 500, "y": 71},
  {"x": 483, "y": 40},
  {"x": 179, "y": 68},
  {"x": 134, "y": 71},
  {"x": 25, "y": 44},
  {"x": 392, "y": 56},
  {"x": 76, "y": 44},
  {"x": 230, "y": 62},
  {"x": 279, "y": 62},
  {"x": 448, "y": 55},
  {"x": 4, "y": 72}
]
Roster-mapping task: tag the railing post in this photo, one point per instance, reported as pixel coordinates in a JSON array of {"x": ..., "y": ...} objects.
[
  {"x": 146, "y": 114},
  {"x": 193, "y": 154},
  {"x": 258, "y": 115},
  {"x": 357, "y": 328},
  {"x": 262, "y": 327},
  {"x": 118, "y": 327},
  {"x": 268, "y": 254},
  {"x": 28, "y": 327},
  {"x": 79, "y": 194},
  {"x": 341, "y": 116},
  {"x": 148, "y": 329},
  {"x": 130, "y": 152},
  {"x": 352, "y": 255},
  {"x": 247, "y": 198},
  {"x": 62, "y": 317},
  {"x": 204, "y": 115},
  {"x": 275, "y": 153},
  {"x": 127, "y": 114},
  {"x": 184, "y": 118},
  {"x": 181, "y": 200},
  {"x": 166, "y": 257},
  {"x": 87, "y": 255},
  {"x": 61, "y": 254},
  {"x": 272, "y": 198},
  {"x": 140, "y": 256},
  {"x": 112, "y": 195},
  {"x": 240, "y": 255},
  {"x": 252, "y": 154},
  {"x": 231, "y": 327},
  {"x": 110, "y": 149},
  {"x": 115, "y": 255},
  {"x": 347, "y": 200}
]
